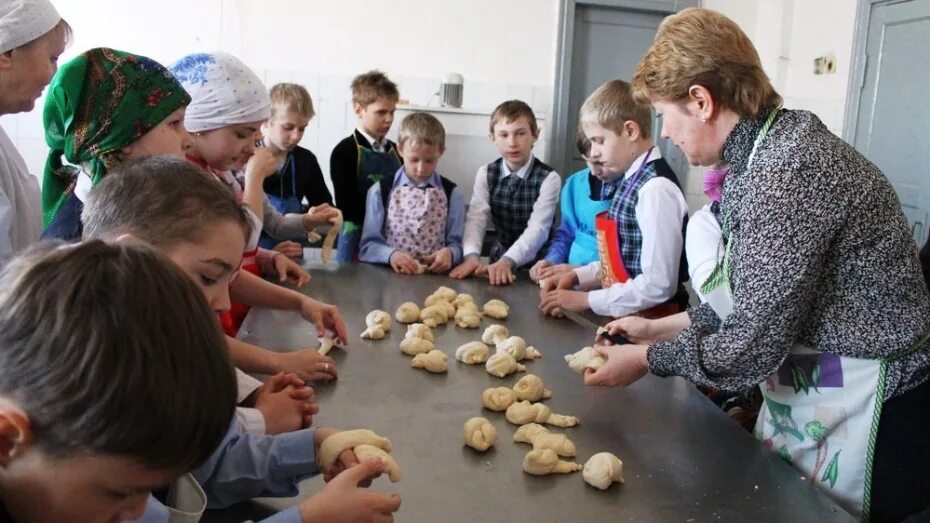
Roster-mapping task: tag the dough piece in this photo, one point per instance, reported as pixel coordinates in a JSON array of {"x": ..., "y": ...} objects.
[
  {"x": 463, "y": 299},
  {"x": 326, "y": 345},
  {"x": 433, "y": 316},
  {"x": 498, "y": 398},
  {"x": 414, "y": 346},
  {"x": 433, "y": 299},
  {"x": 434, "y": 361},
  {"x": 496, "y": 309},
  {"x": 494, "y": 334},
  {"x": 379, "y": 323},
  {"x": 544, "y": 461},
  {"x": 447, "y": 309},
  {"x": 326, "y": 253},
  {"x": 503, "y": 364},
  {"x": 541, "y": 438},
  {"x": 586, "y": 358},
  {"x": 523, "y": 412},
  {"x": 467, "y": 318},
  {"x": 530, "y": 387},
  {"x": 366, "y": 452},
  {"x": 446, "y": 293},
  {"x": 472, "y": 353},
  {"x": 516, "y": 347},
  {"x": 603, "y": 469},
  {"x": 479, "y": 434},
  {"x": 408, "y": 312},
  {"x": 418, "y": 330},
  {"x": 339, "y": 442},
  {"x": 421, "y": 268}
]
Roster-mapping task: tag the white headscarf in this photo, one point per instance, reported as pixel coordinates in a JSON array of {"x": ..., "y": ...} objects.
[
  {"x": 224, "y": 91},
  {"x": 22, "y": 21}
]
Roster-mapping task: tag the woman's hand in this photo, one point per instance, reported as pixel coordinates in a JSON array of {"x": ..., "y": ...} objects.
[{"x": 624, "y": 366}]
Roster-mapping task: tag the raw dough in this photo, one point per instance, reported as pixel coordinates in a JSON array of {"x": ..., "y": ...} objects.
[
  {"x": 503, "y": 364},
  {"x": 366, "y": 452},
  {"x": 447, "y": 309},
  {"x": 414, "y": 346},
  {"x": 541, "y": 438},
  {"x": 523, "y": 412},
  {"x": 468, "y": 317},
  {"x": 418, "y": 330},
  {"x": 339, "y": 442},
  {"x": 479, "y": 434},
  {"x": 433, "y": 316},
  {"x": 472, "y": 353},
  {"x": 586, "y": 358},
  {"x": 446, "y": 293},
  {"x": 498, "y": 398},
  {"x": 408, "y": 312},
  {"x": 603, "y": 469},
  {"x": 496, "y": 309},
  {"x": 379, "y": 322},
  {"x": 434, "y": 361},
  {"x": 530, "y": 387},
  {"x": 421, "y": 268},
  {"x": 494, "y": 334},
  {"x": 462, "y": 299},
  {"x": 326, "y": 253},
  {"x": 326, "y": 345},
  {"x": 544, "y": 461},
  {"x": 516, "y": 347},
  {"x": 432, "y": 299}
]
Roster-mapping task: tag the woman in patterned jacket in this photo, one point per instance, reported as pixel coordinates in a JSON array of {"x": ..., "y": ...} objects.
[{"x": 818, "y": 296}]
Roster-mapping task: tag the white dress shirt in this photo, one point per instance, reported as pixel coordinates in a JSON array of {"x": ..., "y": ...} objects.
[
  {"x": 379, "y": 146},
  {"x": 703, "y": 244},
  {"x": 525, "y": 248},
  {"x": 660, "y": 210}
]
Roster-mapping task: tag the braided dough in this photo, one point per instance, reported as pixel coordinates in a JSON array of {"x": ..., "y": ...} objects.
[
  {"x": 544, "y": 461},
  {"x": 433, "y": 315},
  {"x": 340, "y": 442},
  {"x": 516, "y": 347},
  {"x": 479, "y": 434},
  {"x": 326, "y": 345},
  {"x": 530, "y": 387},
  {"x": 603, "y": 469},
  {"x": 434, "y": 361},
  {"x": 414, "y": 346},
  {"x": 446, "y": 293},
  {"x": 586, "y": 358},
  {"x": 498, "y": 398},
  {"x": 408, "y": 312},
  {"x": 472, "y": 353},
  {"x": 462, "y": 299},
  {"x": 496, "y": 309},
  {"x": 502, "y": 365},
  {"x": 379, "y": 322},
  {"x": 540, "y": 438},
  {"x": 467, "y": 317},
  {"x": 418, "y": 330},
  {"x": 495, "y": 334},
  {"x": 366, "y": 452},
  {"x": 524, "y": 412}
]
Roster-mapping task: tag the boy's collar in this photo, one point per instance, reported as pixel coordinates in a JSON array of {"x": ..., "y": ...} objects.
[
  {"x": 654, "y": 155},
  {"x": 519, "y": 171},
  {"x": 375, "y": 144}
]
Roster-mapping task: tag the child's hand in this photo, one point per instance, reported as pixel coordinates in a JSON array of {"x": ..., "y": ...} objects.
[
  {"x": 561, "y": 299},
  {"x": 342, "y": 501},
  {"x": 439, "y": 261},
  {"x": 326, "y": 318},
  {"x": 308, "y": 365},
  {"x": 289, "y": 271},
  {"x": 403, "y": 263},
  {"x": 536, "y": 268},
  {"x": 566, "y": 280},
  {"x": 286, "y": 403},
  {"x": 261, "y": 165},
  {"x": 625, "y": 365},
  {"x": 290, "y": 249},
  {"x": 552, "y": 271},
  {"x": 501, "y": 272},
  {"x": 466, "y": 268},
  {"x": 636, "y": 329},
  {"x": 319, "y": 215}
]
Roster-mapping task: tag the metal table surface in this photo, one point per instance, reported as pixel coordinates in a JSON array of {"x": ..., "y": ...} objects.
[{"x": 683, "y": 459}]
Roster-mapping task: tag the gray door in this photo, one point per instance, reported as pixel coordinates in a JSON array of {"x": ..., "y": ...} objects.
[
  {"x": 608, "y": 43},
  {"x": 892, "y": 125}
]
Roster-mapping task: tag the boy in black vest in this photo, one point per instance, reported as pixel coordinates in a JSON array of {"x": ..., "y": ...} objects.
[{"x": 518, "y": 192}]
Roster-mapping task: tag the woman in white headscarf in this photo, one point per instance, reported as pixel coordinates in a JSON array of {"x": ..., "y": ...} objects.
[{"x": 32, "y": 36}]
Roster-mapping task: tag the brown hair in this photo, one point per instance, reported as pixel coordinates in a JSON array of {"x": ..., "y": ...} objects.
[
  {"x": 294, "y": 97},
  {"x": 582, "y": 141},
  {"x": 163, "y": 200},
  {"x": 110, "y": 348},
  {"x": 510, "y": 111},
  {"x": 423, "y": 129},
  {"x": 612, "y": 104},
  {"x": 368, "y": 87},
  {"x": 703, "y": 47}
]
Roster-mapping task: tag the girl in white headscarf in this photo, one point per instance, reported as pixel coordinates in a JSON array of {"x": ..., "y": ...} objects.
[{"x": 32, "y": 36}]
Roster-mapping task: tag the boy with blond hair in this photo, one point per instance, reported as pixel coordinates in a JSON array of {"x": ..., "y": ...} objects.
[
  {"x": 364, "y": 158},
  {"x": 414, "y": 221},
  {"x": 518, "y": 192},
  {"x": 641, "y": 237}
]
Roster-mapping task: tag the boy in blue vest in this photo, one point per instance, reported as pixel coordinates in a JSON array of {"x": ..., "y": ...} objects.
[
  {"x": 414, "y": 220},
  {"x": 640, "y": 238},
  {"x": 518, "y": 192}
]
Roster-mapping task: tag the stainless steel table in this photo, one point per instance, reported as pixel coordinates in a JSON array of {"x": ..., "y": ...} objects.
[{"x": 683, "y": 459}]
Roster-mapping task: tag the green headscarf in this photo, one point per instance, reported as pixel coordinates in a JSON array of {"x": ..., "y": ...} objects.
[{"x": 98, "y": 103}]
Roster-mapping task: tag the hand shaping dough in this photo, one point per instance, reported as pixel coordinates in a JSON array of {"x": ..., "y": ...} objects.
[
  {"x": 366, "y": 452},
  {"x": 495, "y": 334},
  {"x": 326, "y": 253},
  {"x": 516, "y": 347},
  {"x": 433, "y": 316},
  {"x": 498, "y": 398},
  {"x": 468, "y": 318},
  {"x": 530, "y": 387},
  {"x": 479, "y": 434},
  {"x": 603, "y": 469},
  {"x": 418, "y": 330},
  {"x": 339, "y": 442},
  {"x": 434, "y": 361},
  {"x": 541, "y": 438},
  {"x": 407, "y": 312},
  {"x": 503, "y": 364},
  {"x": 496, "y": 309},
  {"x": 379, "y": 322},
  {"x": 472, "y": 353},
  {"x": 586, "y": 358},
  {"x": 524, "y": 412},
  {"x": 544, "y": 461},
  {"x": 462, "y": 299},
  {"x": 414, "y": 346}
]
